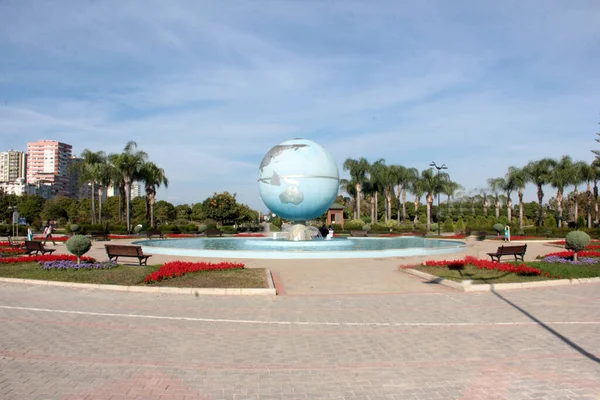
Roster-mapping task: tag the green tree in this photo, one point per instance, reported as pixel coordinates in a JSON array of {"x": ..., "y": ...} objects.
[
  {"x": 153, "y": 177},
  {"x": 358, "y": 170},
  {"x": 30, "y": 207},
  {"x": 589, "y": 174},
  {"x": 164, "y": 211},
  {"x": 128, "y": 165},
  {"x": 495, "y": 187},
  {"x": 562, "y": 172},
  {"x": 198, "y": 212},
  {"x": 221, "y": 207},
  {"x": 539, "y": 173},
  {"x": 89, "y": 173},
  {"x": 520, "y": 181},
  {"x": 183, "y": 212}
]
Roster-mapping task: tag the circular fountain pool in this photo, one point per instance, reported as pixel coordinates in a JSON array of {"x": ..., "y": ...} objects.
[{"x": 263, "y": 248}]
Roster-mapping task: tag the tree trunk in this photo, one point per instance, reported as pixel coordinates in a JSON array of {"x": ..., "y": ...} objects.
[
  {"x": 521, "y": 209},
  {"x": 485, "y": 207},
  {"x": 497, "y": 207},
  {"x": 152, "y": 210},
  {"x": 540, "y": 195},
  {"x": 589, "y": 205},
  {"x": 358, "y": 200},
  {"x": 595, "y": 202},
  {"x": 372, "y": 201},
  {"x": 398, "y": 194},
  {"x": 429, "y": 202},
  {"x": 93, "y": 204},
  {"x": 509, "y": 208},
  {"x": 403, "y": 205},
  {"x": 99, "y": 204},
  {"x": 127, "y": 204},
  {"x": 559, "y": 199},
  {"x": 416, "y": 202},
  {"x": 375, "y": 204},
  {"x": 576, "y": 207}
]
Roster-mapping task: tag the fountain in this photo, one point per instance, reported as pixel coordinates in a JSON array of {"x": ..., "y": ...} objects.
[{"x": 298, "y": 180}]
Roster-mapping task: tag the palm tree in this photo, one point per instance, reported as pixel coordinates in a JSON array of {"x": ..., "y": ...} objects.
[
  {"x": 358, "y": 170},
  {"x": 449, "y": 188},
  {"x": 89, "y": 171},
  {"x": 409, "y": 175},
  {"x": 389, "y": 179},
  {"x": 128, "y": 165},
  {"x": 376, "y": 175},
  {"x": 430, "y": 186},
  {"x": 401, "y": 174},
  {"x": 153, "y": 177},
  {"x": 495, "y": 186},
  {"x": 562, "y": 172},
  {"x": 105, "y": 174},
  {"x": 416, "y": 188},
  {"x": 539, "y": 173},
  {"x": 589, "y": 174},
  {"x": 510, "y": 184},
  {"x": 520, "y": 180},
  {"x": 576, "y": 180}
]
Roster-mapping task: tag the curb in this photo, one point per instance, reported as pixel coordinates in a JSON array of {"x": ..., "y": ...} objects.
[
  {"x": 467, "y": 286},
  {"x": 270, "y": 291}
]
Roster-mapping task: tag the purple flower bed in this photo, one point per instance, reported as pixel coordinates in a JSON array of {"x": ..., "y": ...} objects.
[
  {"x": 65, "y": 264},
  {"x": 561, "y": 260}
]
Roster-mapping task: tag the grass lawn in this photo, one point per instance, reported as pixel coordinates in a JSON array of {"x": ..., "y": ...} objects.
[
  {"x": 477, "y": 275},
  {"x": 132, "y": 275}
]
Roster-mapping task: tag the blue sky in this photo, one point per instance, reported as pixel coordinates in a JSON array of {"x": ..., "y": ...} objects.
[{"x": 208, "y": 87}]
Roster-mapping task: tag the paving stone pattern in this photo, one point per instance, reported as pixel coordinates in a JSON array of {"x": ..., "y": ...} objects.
[{"x": 62, "y": 343}]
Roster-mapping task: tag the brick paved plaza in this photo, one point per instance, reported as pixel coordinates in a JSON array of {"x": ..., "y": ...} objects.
[{"x": 341, "y": 330}]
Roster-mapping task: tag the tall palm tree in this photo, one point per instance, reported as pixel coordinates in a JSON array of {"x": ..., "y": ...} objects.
[
  {"x": 520, "y": 180},
  {"x": 376, "y": 179},
  {"x": 430, "y": 185},
  {"x": 105, "y": 174},
  {"x": 449, "y": 188},
  {"x": 416, "y": 188},
  {"x": 484, "y": 201},
  {"x": 539, "y": 173},
  {"x": 561, "y": 176},
  {"x": 510, "y": 184},
  {"x": 358, "y": 170},
  {"x": 89, "y": 171},
  {"x": 589, "y": 173},
  {"x": 389, "y": 179},
  {"x": 153, "y": 177},
  {"x": 576, "y": 180},
  {"x": 495, "y": 187},
  {"x": 410, "y": 175},
  {"x": 401, "y": 173},
  {"x": 128, "y": 165}
]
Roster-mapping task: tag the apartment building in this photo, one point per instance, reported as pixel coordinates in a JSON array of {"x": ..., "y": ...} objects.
[
  {"x": 13, "y": 165},
  {"x": 48, "y": 161}
]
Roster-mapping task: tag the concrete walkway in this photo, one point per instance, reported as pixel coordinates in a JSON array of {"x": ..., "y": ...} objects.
[{"x": 353, "y": 330}]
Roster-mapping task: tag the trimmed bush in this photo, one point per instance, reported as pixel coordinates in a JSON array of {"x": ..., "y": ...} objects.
[
  {"x": 231, "y": 230},
  {"x": 448, "y": 225},
  {"x": 459, "y": 225},
  {"x": 379, "y": 228},
  {"x": 498, "y": 228},
  {"x": 576, "y": 241},
  {"x": 354, "y": 225},
  {"x": 74, "y": 228},
  {"x": 78, "y": 245}
]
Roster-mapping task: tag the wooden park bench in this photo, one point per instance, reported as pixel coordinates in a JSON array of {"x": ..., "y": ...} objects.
[
  {"x": 99, "y": 235},
  {"x": 151, "y": 234},
  {"x": 119, "y": 250},
  {"x": 516, "y": 251},
  {"x": 213, "y": 232},
  {"x": 33, "y": 248},
  {"x": 359, "y": 233}
]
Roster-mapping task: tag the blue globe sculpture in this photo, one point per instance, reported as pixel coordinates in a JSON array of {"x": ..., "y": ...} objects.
[{"x": 298, "y": 180}]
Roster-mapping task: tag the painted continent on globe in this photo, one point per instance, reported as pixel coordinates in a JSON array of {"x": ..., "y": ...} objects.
[{"x": 298, "y": 179}]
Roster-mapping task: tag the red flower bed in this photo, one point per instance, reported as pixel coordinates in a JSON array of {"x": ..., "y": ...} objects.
[
  {"x": 180, "y": 235},
  {"x": 12, "y": 250},
  {"x": 174, "y": 269},
  {"x": 120, "y": 236},
  {"x": 15, "y": 244},
  {"x": 454, "y": 237},
  {"x": 56, "y": 238},
  {"x": 250, "y": 235},
  {"x": 44, "y": 258},
  {"x": 521, "y": 269},
  {"x": 568, "y": 253},
  {"x": 594, "y": 245},
  {"x": 501, "y": 237}
]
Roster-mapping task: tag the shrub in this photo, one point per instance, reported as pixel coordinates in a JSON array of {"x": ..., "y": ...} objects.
[
  {"x": 232, "y": 230},
  {"x": 448, "y": 225},
  {"x": 498, "y": 228},
  {"x": 337, "y": 227},
  {"x": 354, "y": 225},
  {"x": 459, "y": 225},
  {"x": 74, "y": 228},
  {"x": 367, "y": 227},
  {"x": 576, "y": 241},
  {"x": 379, "y": 228},
  {"x": 78, "y": 245},
  {"x": 274, "y": 228},
  {"x": 391, "y": 224},
  {"x": 277, "y": 222},
  {"x": 581, "y": 222},
  {"x": 138, "y": 228}
]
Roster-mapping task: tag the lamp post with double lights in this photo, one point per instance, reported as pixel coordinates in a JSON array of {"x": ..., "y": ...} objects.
[{"x": 443, "y": 166}]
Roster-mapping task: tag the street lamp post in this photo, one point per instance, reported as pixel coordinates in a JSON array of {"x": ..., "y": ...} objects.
[{"x": 443, "y": 166}]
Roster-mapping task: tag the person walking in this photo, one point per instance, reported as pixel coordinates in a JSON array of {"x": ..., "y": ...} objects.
[
  {"x": 507, "y": 233},
  {"x": 48, "y": 233}
]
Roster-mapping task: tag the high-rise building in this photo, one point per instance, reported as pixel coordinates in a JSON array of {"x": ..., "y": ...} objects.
[
  {"x": 13, "y": 165},
  {"x": 78, "y": 189},
  {"x": 48, "y": 161},
  {"x": 137, "y": 188}
]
